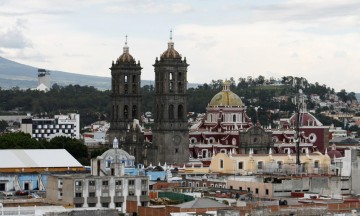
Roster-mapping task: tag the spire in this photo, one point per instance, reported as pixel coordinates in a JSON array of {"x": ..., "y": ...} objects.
[
  {"x": 171, "y": 43},
  {"x": 115, "y": 143},
  {"x": 126, "y": 47}
]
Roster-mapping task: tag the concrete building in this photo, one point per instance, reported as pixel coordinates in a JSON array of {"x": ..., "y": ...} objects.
[
  {"x": 48, "y": 128},
  {"x": 107, "y": 186},
  {"x": 44, "y": 83}
]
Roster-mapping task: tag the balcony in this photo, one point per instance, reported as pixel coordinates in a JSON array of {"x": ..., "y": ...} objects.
[
  {"x": 118, "y": 199},
  {"x": 105, "y": 199},
  {"x": 92, "y": 200},
  {"x": 78, "y": 188},
  {"x": 92, "y": 188},
  {"x": 144, "y": 198},
  {"x": 131, "y": 198},
  {"x": 78, "y": 200}
]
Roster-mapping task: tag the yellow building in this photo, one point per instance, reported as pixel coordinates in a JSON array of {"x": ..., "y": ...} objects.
[{"x": 246, "y": 164}]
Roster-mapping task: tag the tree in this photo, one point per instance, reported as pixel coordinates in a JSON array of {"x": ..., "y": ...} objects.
[{"x": 3, "y": 125}]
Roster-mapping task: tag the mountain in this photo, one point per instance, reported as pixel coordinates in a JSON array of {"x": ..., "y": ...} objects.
[{"x": 13, "y": 74}]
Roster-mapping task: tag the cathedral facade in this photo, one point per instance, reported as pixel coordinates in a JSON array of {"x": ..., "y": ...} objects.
[{"x": 170, "y": 133}]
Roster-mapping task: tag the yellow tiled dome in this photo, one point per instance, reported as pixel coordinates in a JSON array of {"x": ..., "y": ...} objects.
[{"x": 226, "y": 97}]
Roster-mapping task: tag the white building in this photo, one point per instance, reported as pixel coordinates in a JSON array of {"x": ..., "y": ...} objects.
[
  {"x": 61, "y": 125},
  {"x": 107, "y": 186}
]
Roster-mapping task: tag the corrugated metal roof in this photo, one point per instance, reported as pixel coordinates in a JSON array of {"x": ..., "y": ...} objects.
[
  {"x": 23, "y": 158},
  {"x": 202, "y": 203}
]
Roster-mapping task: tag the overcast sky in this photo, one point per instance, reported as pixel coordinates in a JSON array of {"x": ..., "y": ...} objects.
[{"x": 315, "y": 39}]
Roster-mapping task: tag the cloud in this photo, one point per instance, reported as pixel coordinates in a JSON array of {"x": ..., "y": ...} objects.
[
  {"x": 149, "y": 6},
  {"x": 14, "y": 38}
]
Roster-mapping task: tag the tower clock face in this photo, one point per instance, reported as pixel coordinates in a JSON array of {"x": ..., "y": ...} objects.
[{"x": 176, "y": 139}]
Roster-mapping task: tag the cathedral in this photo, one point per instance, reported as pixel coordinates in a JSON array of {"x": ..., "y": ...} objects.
[{"x": 170, "y": 133}]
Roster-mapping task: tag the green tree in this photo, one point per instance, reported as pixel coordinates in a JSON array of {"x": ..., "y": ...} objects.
[{"x": 3, "y": 125}]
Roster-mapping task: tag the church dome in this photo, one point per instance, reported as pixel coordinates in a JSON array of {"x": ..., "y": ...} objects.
[
  {"x": 120, "y": 154},
  {"x": 333, "y": 153},
  {"x": 170, "y": 53},
  {"x": 226, "y": 97},
  {"x": 126, "y": 57}
]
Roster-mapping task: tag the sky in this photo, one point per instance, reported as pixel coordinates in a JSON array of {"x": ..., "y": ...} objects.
[{"x": 315, "y": 39}]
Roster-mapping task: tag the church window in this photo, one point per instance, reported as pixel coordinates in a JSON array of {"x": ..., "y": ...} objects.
[
  {"x": 134, "y": 78},
  {"x": 179, "y": 76},
  {"x": 125, "y": 79},
  {"x": 234, "y": 118},
  {"x": 240, "y": 165},
  {"x": 134, "y": 110},
  {"x": 126, "y": 88},
  {"x": 221, "y": 164},
  {"x": 233, "y": 141},
  {"x": 171, "y": 87},
  {"x": 180, "y": 87},
  {"x": 180, "y": 112},
  {"x": 171, "y": 112},
  {"x": 260, "y": 165},
  {"x": 279, "y": 163},
  {"x": 316, "y": 164},
  {"x": 126, "y": 112},
  {"x": 170, "y": 76},
  {"x": 134, "y": 88},
  {"x": 176, "y": 150},
  {"x": 211, "y": 118}
]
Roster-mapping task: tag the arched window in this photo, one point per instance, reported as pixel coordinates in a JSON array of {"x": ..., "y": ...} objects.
[
  {"x": 180, "y": 87},
  {"x": 117, "y": 112},
  {"x": 221, "y": 164},
  {"x": 134, "y": 78},
  {"x": 126, "y": 88},
  {"x": 125, "y": 79},
  {"x": 180, "y": 112},
  {"x": 157, "y": 112},
  {"x": 234, "y": 118},
  {"x": 126, "y": 112},
  {"x": 171, "y": 87},
  {"x": 170, "y": 76},
  {"x": 134, "y": 88},
  {"x": 171, "y": 112},
  {"x": 134, "y": 111}
]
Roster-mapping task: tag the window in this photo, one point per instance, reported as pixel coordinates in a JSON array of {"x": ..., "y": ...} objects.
[
  {"x": 260, "y": 165},
  {"x": 78, "y": 183},
  {"x": 240, "y": 188},
  {"x": 131, "y": 182},
  {"x": 316, "y": 164},
  {"x": 221, "y": 164},
  {"x": 240, "y": 165},
  {"x": 91, "y": 183},
  {"x": 92, "y": 204},
  {"x": 143, "y": 192},
  {"x": 91, "y": 194},
  {"x": 176, "y": 150},
  {"x": 105, "y": 183},
  {"x": 78, "y": 195},
  {"x": 118, "y": 182},
  {"x": 257, "y": 190},
  {"x": 118, "y": 204},
  {"x": 279, "y": 163},
  {"x": 180, "y": 112},
  {"x": 78, "y": 205},
  {"x": 267, "y": 191},
  {"x": 171, "y": 112},
  {"x": 144, "y": 182},
  {"x": 105, "y": 205},
  {"x": 131, "y": 193}
]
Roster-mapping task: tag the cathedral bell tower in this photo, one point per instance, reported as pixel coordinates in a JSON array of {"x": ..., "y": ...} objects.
[
  {"x": 170, "y": 130},
  {"x": 126, "y": 104}
]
